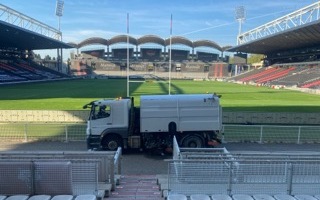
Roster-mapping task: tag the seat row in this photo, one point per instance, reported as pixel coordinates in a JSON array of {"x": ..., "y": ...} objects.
[
  {"x": 242, "y": 197},
  {"x": 48, "y": 197}
]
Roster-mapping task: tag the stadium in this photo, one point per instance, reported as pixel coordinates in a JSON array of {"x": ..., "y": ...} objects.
[
  {"x": 150, "y": 55},
  {"x": 291, "y": 61},
  {"x": 290, "y": 52}
]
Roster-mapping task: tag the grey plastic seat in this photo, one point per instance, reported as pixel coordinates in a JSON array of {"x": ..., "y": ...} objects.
[
  {"x": 284, "y": 197},
  {"x": 317, "y": 196},
  {"x": 177, "y": 197},
  {"x": 199, "y": 197},
  {"x": 2, "y": 197},
  {"x": 304, "y": 197},
  {"x": 18, "y": 197},
  {"x": 262, "y": 197},
  {"x": 40, "y": 197},
  {"x": 86, "y": 197},
  {"x": 220, "y": 197},
  {"x": 62, "y": 197},
  {"x": 241, "y": 197}
]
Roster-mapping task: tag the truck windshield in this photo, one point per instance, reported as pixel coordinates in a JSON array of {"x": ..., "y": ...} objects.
[{"x": 98, "y": 112}]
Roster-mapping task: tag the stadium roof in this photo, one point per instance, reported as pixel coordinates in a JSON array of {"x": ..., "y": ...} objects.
[
  {"x": 179, "y": 40},
  {"x": 297, "y": 30},
  {"x": 93, "y": 40},
  {"x": 207, "y": 43},
  {"x": 304, "y": 36},
  {"x": 15, "y": 37},
  {"x": 122, "y": 39},
  {"x": 150, "y": 39}
]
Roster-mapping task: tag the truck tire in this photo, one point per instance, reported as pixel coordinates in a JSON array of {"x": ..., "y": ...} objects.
[
  {"x": 111, "y": 142},
  {"x": 193, "y": 141}
]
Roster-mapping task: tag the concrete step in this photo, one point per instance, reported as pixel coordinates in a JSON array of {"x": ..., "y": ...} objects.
[{"x": 143, "y": 187}]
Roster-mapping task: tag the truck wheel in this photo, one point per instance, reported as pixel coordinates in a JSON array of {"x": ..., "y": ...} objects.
[
  {"x": 192, "y": 141},
  {"x": 111, "y": 142}
]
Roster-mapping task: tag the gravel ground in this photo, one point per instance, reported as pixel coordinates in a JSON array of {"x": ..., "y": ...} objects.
[{"x": 145, "y": 163}]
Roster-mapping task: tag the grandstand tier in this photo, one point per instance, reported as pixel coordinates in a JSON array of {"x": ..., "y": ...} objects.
[
  {"x": 18, "y": 70},
  {"x": 291, "y": 75}
]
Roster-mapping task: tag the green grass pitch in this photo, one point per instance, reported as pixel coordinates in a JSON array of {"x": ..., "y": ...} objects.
[{"x": 73, "y": 94}]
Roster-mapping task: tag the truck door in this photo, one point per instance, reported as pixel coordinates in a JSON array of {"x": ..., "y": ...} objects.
[{"x": 100, "y": 118}]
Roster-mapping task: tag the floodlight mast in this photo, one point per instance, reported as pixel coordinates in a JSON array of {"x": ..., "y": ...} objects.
[
  {"x": 128, "y": 63},
  {"x": 170, "y": 52},
  {"x": 59, "y": 13},
  {"x": 240, "y": 15}
]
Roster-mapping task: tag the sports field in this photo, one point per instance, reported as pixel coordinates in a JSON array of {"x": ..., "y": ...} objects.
[{"x": 73, "y": 94}]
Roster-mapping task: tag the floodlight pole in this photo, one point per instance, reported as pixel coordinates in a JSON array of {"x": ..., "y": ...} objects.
[
  {"x": 240, "y": 15},
  {"x": 170, "y": 50},
  {"x": 59, "y": 12},
  {"x": 128, "y": 78}
]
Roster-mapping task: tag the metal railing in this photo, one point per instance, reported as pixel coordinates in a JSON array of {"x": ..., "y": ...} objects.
[
  {"x": 108, "y": 163},
  {"x": 51, "y": 177},
  {"x": 43, "y": 131},
  {"x": 230, "y": 177},
  {"x": 271, "y": 133},
  {"x": 232, "y": 133},
  {"x": 216, "y": 171}
]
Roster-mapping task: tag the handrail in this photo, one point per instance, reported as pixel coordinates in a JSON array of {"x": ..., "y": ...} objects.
[
  {"x": 176, "y": 149},
  {"x": 117, "y": 160}
]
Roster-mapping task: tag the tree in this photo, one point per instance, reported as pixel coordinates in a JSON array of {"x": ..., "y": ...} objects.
[
  {"x": 255, "y": 58},
  {"x": 37, "y": 56},
  {"x": 47, "y": 57}
]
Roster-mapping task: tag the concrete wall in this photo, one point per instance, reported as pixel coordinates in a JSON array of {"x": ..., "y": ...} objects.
[
  {"x": 80, "y": 116},
  {"x": 271, "y": 118},
  {"x": 74, "y": 116}
]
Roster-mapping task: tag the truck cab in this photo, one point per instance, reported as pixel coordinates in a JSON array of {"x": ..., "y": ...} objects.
[{"x": 108, "y": 122}]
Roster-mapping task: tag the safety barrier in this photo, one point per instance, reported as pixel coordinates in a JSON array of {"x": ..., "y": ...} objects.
[
  {"x": 211, "y": 171},
  {"x": 50, "y": 177},
  {"x": 43, "y": 131},
  {"x": 232, "y": 133},
  {"x": 271, "y": 133},
  {"x": 103, "y": 174}
]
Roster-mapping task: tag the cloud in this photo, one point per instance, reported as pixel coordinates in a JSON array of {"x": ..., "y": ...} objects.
[
  {"x": 208, "y": 23},
  {"x": 80, "y": 35}
]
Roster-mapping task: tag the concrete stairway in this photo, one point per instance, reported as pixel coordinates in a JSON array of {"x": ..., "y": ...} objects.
[{"x": 141, "y": 187}]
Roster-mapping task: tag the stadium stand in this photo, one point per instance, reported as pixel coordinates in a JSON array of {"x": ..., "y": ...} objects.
[
  {"x": 288, "y": 75},
  {"x": 312, "y": 84},
  {"x": 259, "y": 74},
  {"x": 152, "y": 58},
  {"x": 19, "y": 70},
  {"x": 286, "y": 48},
  {"x": 246, "y": 74},
  {"x": 273, "y": 76},
  {"x": 299, "y": 77},
  {"x": 182, "y": 67},
  {"x": 18, "y": 42}
]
